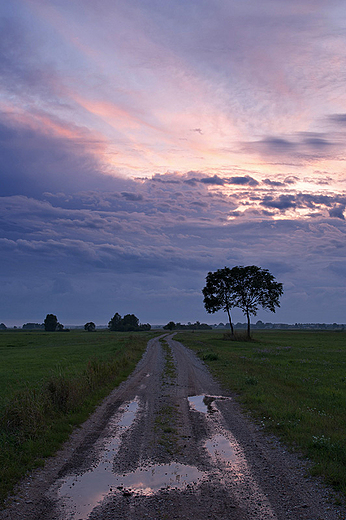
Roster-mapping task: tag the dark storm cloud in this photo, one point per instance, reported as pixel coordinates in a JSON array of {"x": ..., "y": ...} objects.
[
  {"x": 282, "y": 202},
  {"x": 34, "y": 162},
  {"x": 250, "y": 181},
  {"x": 131, "y": 196},
  {"x": 335, "y": 204},
  {"x": 213, "y": 180},
  {"x": 276, "y": 184},
  {"x": 338, "y": 211}
]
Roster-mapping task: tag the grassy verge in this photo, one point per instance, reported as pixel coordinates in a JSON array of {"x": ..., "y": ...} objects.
[
  {"x": 51, "y": 382},
  {"x": 294, "y": 383}
]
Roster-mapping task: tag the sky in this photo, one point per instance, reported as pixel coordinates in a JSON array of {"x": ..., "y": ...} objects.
[{"x": 145, "y": 143}]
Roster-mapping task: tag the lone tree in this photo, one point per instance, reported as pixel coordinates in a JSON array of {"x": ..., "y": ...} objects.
[
  {"x": 90, "y": 326},
  {"x": 219, "y": 293},
  {"x": 50, "y": 323},
  {"x": 254, "y": 288},
  {"x": 247, "y": 288}
]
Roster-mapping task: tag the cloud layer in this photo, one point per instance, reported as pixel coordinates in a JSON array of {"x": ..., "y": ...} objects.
[{"x": 146, "y": 143}]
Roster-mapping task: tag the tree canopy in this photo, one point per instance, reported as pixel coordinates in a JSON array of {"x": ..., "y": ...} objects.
[
  {"x": 129, "y": 322},
  {"x": 219, "y": 292},
  {"x": 247, "y": 288},
  {"x": 190, "y": 326},
  {"x": 50, "y": 323},
  {"x": 90, "y": 326}
]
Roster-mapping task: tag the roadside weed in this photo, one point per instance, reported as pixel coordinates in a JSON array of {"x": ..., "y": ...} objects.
[{"x": 51, "y": 382}]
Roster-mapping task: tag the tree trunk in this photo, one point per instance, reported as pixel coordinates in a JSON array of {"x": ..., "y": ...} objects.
[
  {"x": 248, "y": 324},
  {"x": 230, "y": 321}
]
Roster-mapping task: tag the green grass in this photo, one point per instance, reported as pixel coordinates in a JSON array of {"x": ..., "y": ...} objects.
[
  {"x": 294, "y": 383},
  {"x": 51, "y": 382}
]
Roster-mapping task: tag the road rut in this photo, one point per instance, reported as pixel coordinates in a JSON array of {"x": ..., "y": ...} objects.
[{"x": 170, "y": 443}]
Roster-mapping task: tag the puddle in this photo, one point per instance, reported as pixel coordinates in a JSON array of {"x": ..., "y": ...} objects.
[
  {"x": 204, "y": 403},
  {"x": 81, "y": 493},
  {"x": 128, "y": 416},
  {"x": 200, "y": 403},
  {"x": 220, "y": 447},
  {"x": 151, "y": 479}
]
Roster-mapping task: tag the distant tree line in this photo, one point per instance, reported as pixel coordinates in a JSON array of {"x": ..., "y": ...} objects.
[
  {"x": 260, "y": 325},
  {"x": 33, "y": 326},
  {"x": 128, "y": 323},
  {"x": 190, "y": 326}
]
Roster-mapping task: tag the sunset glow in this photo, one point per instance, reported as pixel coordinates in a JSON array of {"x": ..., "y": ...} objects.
[{"x": 146, "y": 143}]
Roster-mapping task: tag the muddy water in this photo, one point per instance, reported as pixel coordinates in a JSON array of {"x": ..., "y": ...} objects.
[{"x": 81, "y": 493}]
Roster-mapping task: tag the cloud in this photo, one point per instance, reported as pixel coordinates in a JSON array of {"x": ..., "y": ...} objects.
[
  {"x": 276, "y": 184},
  {"x": 243, "y": 180},
  {"x": 338, "y": 211},
  {"x": 299, "y": 145},
  {"x": 283, "y": 202},
  {"x": 340, "y": 119},
  {"x": 131, "y": 251},
  {"x": 132, "y": 196},
  {"x": 91, "y": 93},
  {"x": 212, "y": 180},
  {"x": 35, "y": 161}
]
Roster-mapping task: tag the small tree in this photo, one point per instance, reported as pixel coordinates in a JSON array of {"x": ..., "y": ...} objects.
[
  {"x": 90, "y": 326},
  {"x": 50, "y": 323},
  {"x": 219, "y": 293},
  {"x": 114, "y": 323},
  {"x": 130, "y": 322},
  {"x": 255, "y": 287},
  {"x": 169, "y": 326}
]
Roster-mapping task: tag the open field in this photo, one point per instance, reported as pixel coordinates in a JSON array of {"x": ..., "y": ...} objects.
[
  {"x": 294, "y": 383},
  {"x": 49, "y": 383}
]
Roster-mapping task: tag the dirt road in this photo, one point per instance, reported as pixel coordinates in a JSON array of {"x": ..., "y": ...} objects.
[{"x": 170, "y": 444}]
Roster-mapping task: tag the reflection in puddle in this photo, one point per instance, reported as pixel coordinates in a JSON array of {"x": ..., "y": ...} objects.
[
  {"x": 128, "y": 415},
  {"x": 85, "y": 492},
  {"x": 204, "y": 403},
  {"x": 82, "y": 493},
  {"x": 150, "y": 479},
  {"x": 220, "y": 447},
  {"x": 200, "y": 403}
]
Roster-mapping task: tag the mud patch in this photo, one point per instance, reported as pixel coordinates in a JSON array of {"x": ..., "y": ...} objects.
[
  {"x": 81, "y": 493},
  {"x": 221, "y": 448}
]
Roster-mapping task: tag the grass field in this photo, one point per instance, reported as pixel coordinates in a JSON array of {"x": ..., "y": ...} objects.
[
  {"x": 49, "y": 383},
  {"x": 294, "y": 383}
]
